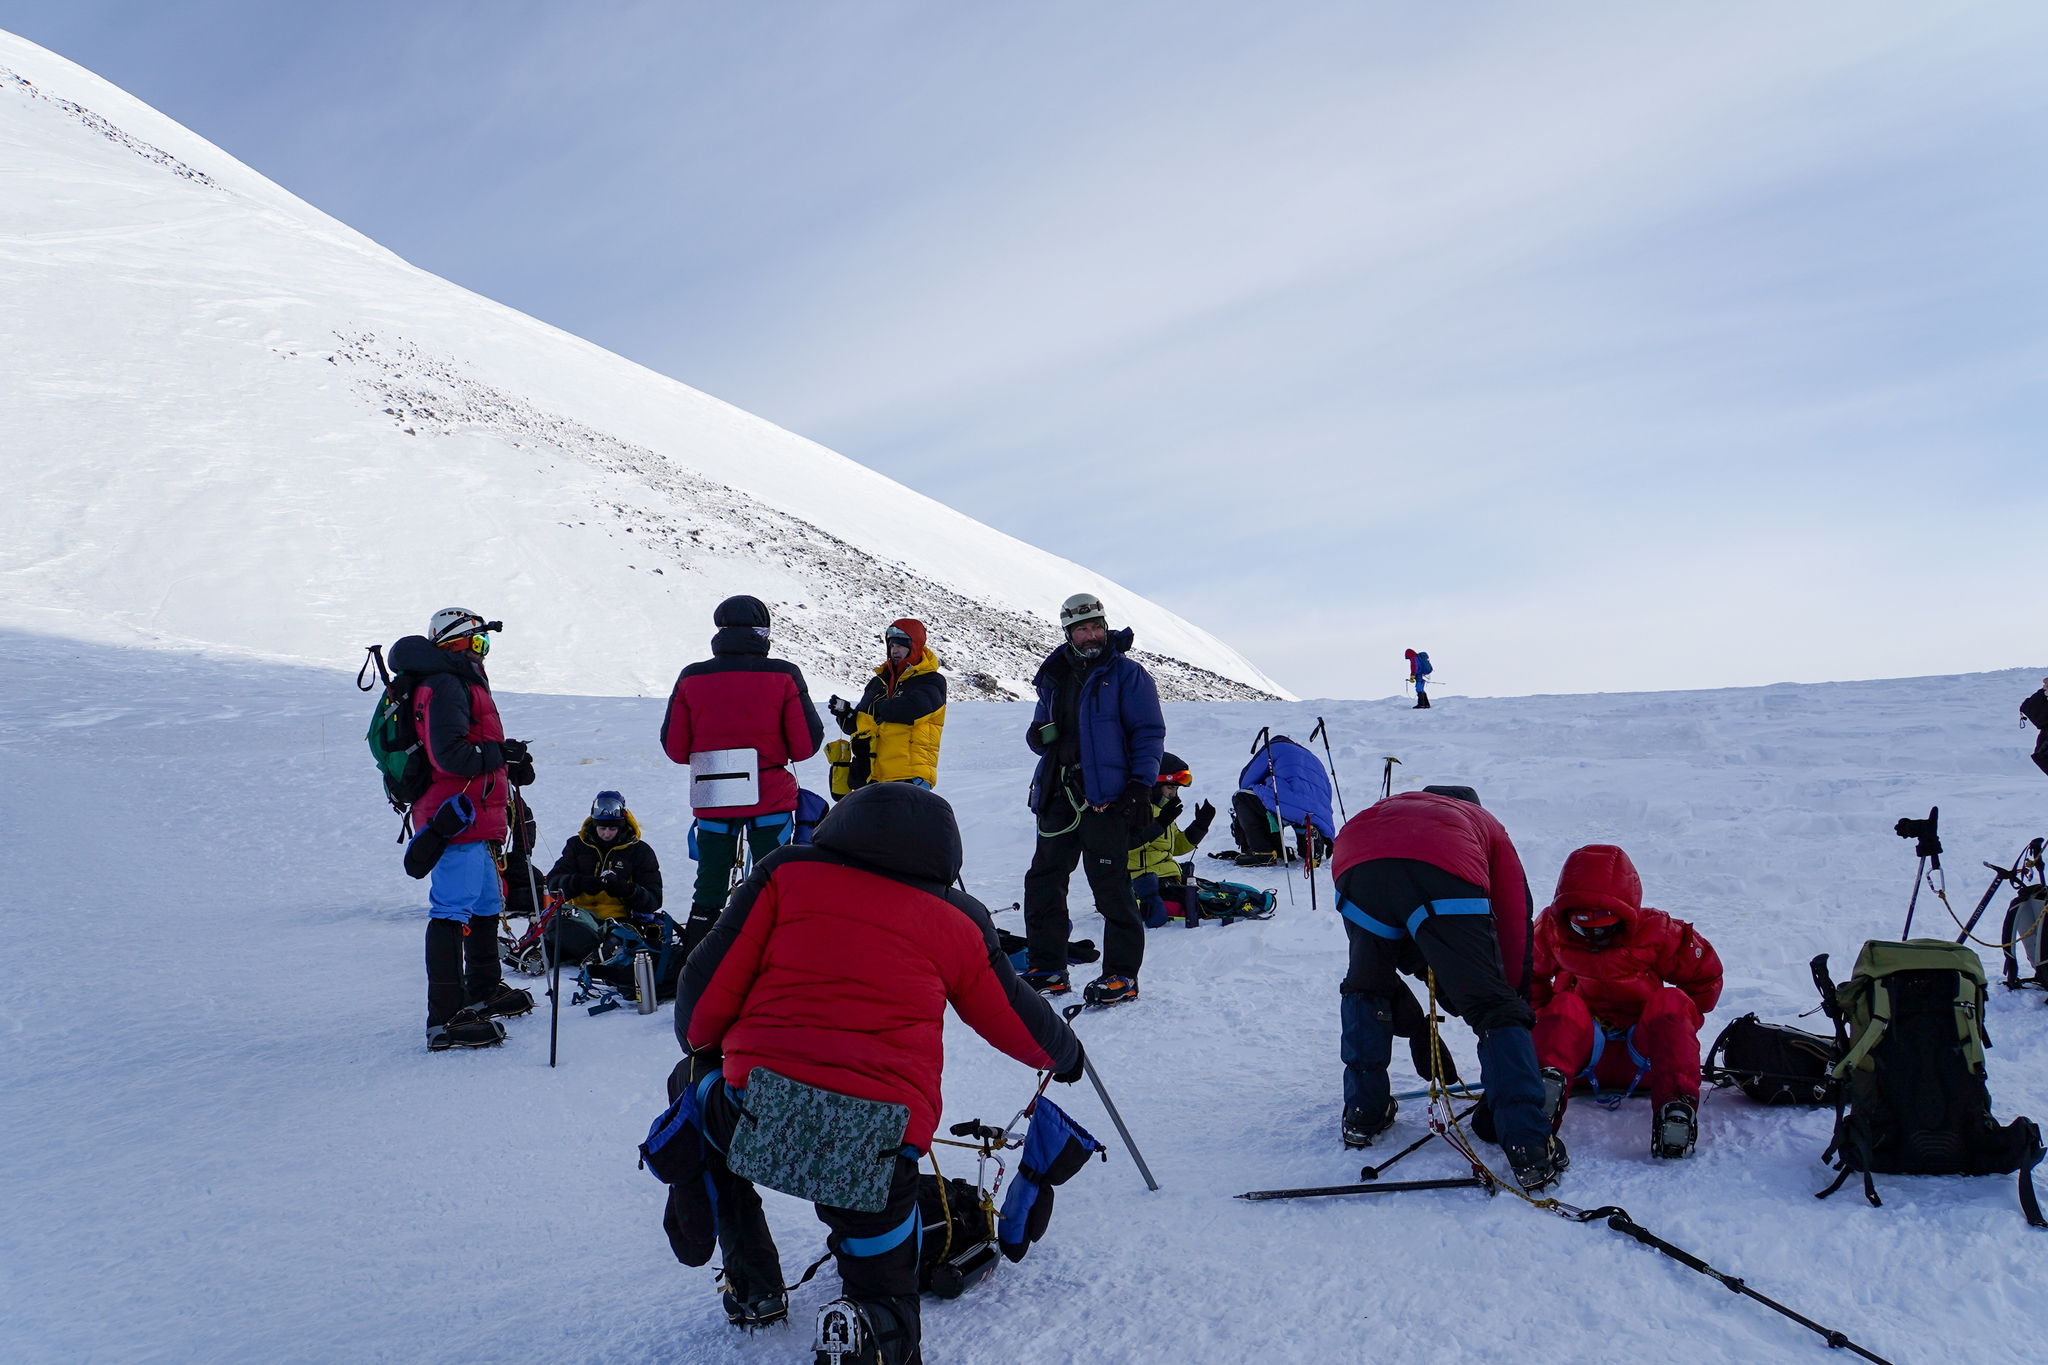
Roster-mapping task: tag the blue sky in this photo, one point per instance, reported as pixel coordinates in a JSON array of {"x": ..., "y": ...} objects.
[{"x": 1589, "y": 346}]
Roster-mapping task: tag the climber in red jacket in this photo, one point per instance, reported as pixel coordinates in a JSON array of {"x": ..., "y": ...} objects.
[{"x": 1621, "y": 992}]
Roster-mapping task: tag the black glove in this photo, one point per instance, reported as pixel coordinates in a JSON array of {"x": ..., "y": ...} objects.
[
  {"x": 1198, "y": 828},
  {"x": 455, "y": 816},
  {"x": 587, "y": 885},
  {"x": 1077, "y": 1070},
  {"x": 842, "y": 711},
  {"x": 515, "y": 750},
  {"x": 1135, "y": 805},
  {"x": 615, "y": 880}
]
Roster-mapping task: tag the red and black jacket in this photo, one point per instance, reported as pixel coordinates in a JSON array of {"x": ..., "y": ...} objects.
[
  {"x": 741, "y": 699},
  {"x": 1463, "y": 840},
  {"x": 834, "y": 962}
]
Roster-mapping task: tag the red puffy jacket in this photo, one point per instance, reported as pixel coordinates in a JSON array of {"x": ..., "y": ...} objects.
[
  {"x": 461, "y": 734},
  {"x": 834, "y": 962},
  {"x": 1651, "y": 950},
  {"x": 742, "y": 699},
  {"x": 1463, "y": 840}
]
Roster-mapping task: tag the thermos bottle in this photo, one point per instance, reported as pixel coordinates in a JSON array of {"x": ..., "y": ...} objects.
[{"x": 643, "y": 981}]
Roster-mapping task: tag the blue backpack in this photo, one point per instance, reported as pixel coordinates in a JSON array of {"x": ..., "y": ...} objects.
[
  {"x": 1422, "y": 665},
  {"x": 810, "y": 809}
]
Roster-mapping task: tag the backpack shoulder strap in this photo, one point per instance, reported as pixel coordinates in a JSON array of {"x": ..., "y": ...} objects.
[{"x": 1871, "y": 1034}]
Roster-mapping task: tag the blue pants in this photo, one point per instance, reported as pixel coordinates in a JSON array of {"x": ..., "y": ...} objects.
[{"x": 464, "y": 884}]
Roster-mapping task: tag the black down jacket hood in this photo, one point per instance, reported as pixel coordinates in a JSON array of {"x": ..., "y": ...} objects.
[{"x": 895, "y": 827}]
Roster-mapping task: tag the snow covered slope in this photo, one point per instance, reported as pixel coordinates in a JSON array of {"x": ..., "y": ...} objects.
[
  {"x": 225, "y": 1141},
  {"x": 232, "y": 421}
]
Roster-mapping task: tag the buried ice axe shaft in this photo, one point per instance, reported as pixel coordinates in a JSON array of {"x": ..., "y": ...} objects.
[{"x": 1088, "y": 1065}]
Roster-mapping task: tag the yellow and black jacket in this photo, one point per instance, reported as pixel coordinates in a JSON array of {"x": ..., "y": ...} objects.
[
  {"x": 897, "y": 724},
  {"x": 635, "y": 881}
]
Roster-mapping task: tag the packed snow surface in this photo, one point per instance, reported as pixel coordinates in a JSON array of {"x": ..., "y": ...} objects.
[
  {"x": 226, "y": 1141},
  {"x": 233, "y": 422}
]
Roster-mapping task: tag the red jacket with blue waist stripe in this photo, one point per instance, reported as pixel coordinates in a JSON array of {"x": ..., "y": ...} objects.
[
  {"x": 742, "y": 699},
  {"x": 834, "y": 962},
  {"x": 1463, "y": 840},
  {"x": 460, "y": 733}
]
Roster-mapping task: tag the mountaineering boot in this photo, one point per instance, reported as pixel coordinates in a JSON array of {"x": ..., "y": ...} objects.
[
  {"x": 1361, "y": 1126},
  {"x": 1110, "y": 990},
  {"x": 1675, "y": 1130},
  {"x": 762, "y": 1310},
  {"x": 1421, "y": 702},
  {"x": 465, "y": 1031},
  {"x": 1537, "y": 1165},
  {"x": 499, "y": 1002},
  {"x": 1557, "y": 1090},
  {"x": 844, "y": 1336},
  {"x": 1045, "y": 983}
]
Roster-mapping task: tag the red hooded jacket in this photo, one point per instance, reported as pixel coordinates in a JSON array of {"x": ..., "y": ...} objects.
[
  {"x": 1463, "y": 840},
  {"x": 834, "y": 962},
  {"x": 1651, "y": 950}
]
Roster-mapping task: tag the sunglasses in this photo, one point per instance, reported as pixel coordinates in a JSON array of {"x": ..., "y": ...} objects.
[{"x": 1182, "y": 778}]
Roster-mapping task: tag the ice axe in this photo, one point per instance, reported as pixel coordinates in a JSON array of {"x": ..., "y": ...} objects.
[
  {"x": 1324, "y": 731},
  {"x": 1387, "y": 776}
]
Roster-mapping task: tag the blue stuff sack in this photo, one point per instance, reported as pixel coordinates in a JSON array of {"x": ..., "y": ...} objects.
[
  {"x": 1054, "y": 1149},
  {"x": 674, "y": 1152}
]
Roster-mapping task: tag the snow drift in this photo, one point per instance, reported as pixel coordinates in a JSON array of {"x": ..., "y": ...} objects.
[{"x": 232, "y": 421}]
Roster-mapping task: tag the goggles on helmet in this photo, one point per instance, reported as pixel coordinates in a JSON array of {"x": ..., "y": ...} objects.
[
  {"x": 608, "y": 809},
  {"x": 1596, "y": 930},
  {"x": 897, "y": 637},
  {"x": 1180, "y": 779}
]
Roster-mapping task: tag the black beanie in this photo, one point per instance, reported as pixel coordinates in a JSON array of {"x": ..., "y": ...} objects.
[
  {"x": 741, "y": 611},
  {"x": 1170, "y": 763}
]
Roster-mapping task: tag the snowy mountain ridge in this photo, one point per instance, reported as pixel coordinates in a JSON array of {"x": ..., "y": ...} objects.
[{"x": 240, "y": 425}]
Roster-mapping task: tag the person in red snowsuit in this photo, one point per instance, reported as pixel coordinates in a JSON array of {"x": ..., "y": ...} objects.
[{"x": 1621, "y": 991}]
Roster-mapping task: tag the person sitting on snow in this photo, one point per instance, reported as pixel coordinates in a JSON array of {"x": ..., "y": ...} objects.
[
  {"x": 607, "y": 869},
  {"x": 1155, "y": 865},
  {"x": 898, "y": 720},
  {"x": 1621, "y": 992}
]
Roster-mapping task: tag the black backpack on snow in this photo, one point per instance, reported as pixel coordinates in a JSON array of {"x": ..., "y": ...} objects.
[
  {"x": 1772, "y": 1063},
  {"x": 1912, "y": 1098},
  {"x": 1256, "y": 829}
]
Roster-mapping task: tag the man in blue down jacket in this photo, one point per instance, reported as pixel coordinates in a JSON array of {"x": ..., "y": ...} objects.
[{"x": 1098, "y": 734}]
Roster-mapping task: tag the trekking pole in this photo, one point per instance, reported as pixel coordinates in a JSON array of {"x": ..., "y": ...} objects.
[
  {"x": 1324, "y": 731},
  {"x": 1088, "y": 1065},
  {"x": 1387, "y": 776},
  {"x": 555, "y": 985},
  {"x": 1463, "y": 1182},
  {"x": 1373, "y": 1172},
  {"x": 1929, "y": 848},
  {"x": 1618, "y": 1219}
]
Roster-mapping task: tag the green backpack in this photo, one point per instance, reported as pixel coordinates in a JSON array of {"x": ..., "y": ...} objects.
[
  {"x": 1912, "y": 1097},
  {"x": 393, "y": 738}
]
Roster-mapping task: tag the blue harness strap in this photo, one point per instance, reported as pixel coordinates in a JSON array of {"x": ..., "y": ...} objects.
[
  {"x": 884, "y": 1241},
  {"x": 1365, "y": 921},
  {"x": 1628, "y": 1040},
  {"x": 1468, "y": 905}
]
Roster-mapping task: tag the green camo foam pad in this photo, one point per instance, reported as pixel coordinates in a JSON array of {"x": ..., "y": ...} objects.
[{"x": 817, "y": 1144}]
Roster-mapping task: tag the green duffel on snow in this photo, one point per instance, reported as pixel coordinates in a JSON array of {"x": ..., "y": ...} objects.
[{"x": 819, "y": 1145}]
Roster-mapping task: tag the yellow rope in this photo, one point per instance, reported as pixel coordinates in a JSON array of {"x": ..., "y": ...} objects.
[
  {"x": 945, "y": 1212},
  {"x": 1941, "y": 893}
]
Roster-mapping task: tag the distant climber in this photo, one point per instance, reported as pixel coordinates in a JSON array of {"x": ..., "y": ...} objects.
[{"x": 1419, "y": 669}]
